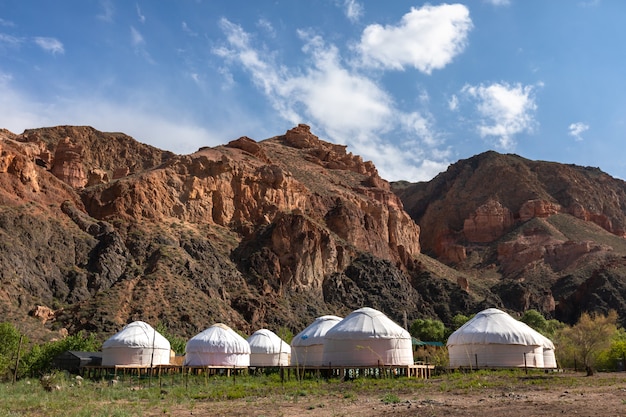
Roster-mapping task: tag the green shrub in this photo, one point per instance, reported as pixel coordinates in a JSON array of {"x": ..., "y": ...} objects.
[{"x": 38, "y": 360}]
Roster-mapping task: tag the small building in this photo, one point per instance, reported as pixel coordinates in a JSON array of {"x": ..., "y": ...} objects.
[
  {"x": 137, "y": 344},
  {"x": 219, "y": 345},
  {"x": 307, "y": 347},
  {"x": 73, "y": 361},
  {"x": 268, "y": 349},
  {"x": 367, "y": 337},
  {"x": 493, "y": 338}
]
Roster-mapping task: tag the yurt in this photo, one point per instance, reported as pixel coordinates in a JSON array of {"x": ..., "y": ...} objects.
[
  {"x": 367, "y": 337},
  {"x": 267, "y": 349},
  {"x": 219, "y": 345},
  {"x": 137, "y": 344},
  {"x": 307, "y": 347},
  {"x": 549, "y": 359},
  {"x": 492, "y": 338}
]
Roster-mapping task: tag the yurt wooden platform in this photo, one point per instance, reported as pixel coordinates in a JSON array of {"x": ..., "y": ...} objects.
[
  {"x": 139, "y": 371},
  {"x": 410, "y": 371}
]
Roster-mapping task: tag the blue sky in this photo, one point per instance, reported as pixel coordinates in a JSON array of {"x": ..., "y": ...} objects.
[{"x": 412, "y": 86}]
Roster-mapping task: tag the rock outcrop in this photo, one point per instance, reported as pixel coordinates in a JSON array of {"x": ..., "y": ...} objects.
[{"x": 488, "y": 223}]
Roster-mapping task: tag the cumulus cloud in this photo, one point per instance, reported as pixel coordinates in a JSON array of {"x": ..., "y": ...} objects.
[
  {"x": 503, "y": 110},
  {"x": 344, "y": 105},
  {"x": 426, "y": 39},
  {"x": 577, "y": 129},
  {"x": 52, "y": 45}
]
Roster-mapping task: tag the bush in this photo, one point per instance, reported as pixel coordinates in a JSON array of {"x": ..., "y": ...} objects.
[
  {"x": 9, "y": 344},
  {"x": 39, "y": 359}
]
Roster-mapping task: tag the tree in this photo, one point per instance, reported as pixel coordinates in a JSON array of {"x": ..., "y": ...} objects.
[
  {"x": 9, "y": 343},
  {"x": 428, "y": 330},
  {"x": 39, "y": 359},
  {"x": 588, "y": 338},
  {"x": 535, "y": 319},
  {"x": 459, "y": 320},
  {"x": 177, "y": 343}
]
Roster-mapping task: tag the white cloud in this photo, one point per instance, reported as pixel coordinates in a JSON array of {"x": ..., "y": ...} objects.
[
  {"x": 266, "y": 25},
  {"x": 52, "y": 45},
  {"x": 9, "y": 40},
  {"x": 108, "y": 10},
  {"x": 139, "y": 43},
  {"x": 426, "y": 39},
  {"x": 162, "y": 128},
  {"x": 340, "y": 105},
  {"x": 577, "y": 129},
  {"x": 353, "y": 10},
  {"x": 453, "y": 103},
  {"x": 504, "y": 111},
  {"x": 188, "y": 30},
  {"x": 136, "y": 37},
  {"x": 6, "y": 23},
  {"x": 498, "y": 2},
  {"x": 140, "y": 16}
]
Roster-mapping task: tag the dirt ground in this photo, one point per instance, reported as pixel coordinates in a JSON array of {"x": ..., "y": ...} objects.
[{"x": 599, "y": 395}]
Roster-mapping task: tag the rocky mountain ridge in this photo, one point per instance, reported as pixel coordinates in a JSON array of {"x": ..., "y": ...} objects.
[{"x": 98, "y": 229}]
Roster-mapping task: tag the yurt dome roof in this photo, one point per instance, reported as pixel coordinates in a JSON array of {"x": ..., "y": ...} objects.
[
  {"x": 367, "y": 323},
  {"x": 137, "y": 334},
  {"x": 266, "y": 341},
  {"x": 493, "y": 326},
  {"x": 218, "y": 338},
  {"x": 314, "y": 333}
]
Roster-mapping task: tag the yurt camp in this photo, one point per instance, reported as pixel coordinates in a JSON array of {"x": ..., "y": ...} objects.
[
  {"x": 307, "y": 347},
  {"x": 493, "y": 338},
  {"x": 219, "y": 345},
  {"x": 267, "y": 349},
  {"x": 367, "y": 337},
  {"x": 137, "y": 344}
]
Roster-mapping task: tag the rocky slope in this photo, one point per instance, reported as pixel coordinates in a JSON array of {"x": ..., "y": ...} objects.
[
  {"x": 254, "y": 234},
  {"x": 539, "y": 234},
  {"x": 98, "y": 229}
]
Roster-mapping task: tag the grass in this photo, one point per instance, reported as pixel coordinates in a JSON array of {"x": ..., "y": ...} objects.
[{"x": 134, "y": 397}]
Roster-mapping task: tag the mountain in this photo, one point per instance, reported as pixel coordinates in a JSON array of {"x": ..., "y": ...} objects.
[
  {"x": 98, "y": 230},
  {"x": 538, "y": 234}
]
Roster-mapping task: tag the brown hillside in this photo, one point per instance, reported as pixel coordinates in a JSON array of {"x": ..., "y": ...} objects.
[
  {"x": 253, "y": 234},
  {"x": 539, "y": 234},
  {"x": 99, "y": 230}
]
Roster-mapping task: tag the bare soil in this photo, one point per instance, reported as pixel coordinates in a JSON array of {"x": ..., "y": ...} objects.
[{"x": 603, "y": 394}]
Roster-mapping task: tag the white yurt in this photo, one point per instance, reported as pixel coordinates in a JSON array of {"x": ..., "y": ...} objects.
[
  {"x": 307, "y": 347},
  {"x": 267, "y": 349},
  {"x": 367, "y": 337},
  {"x": 549, "y": 359},
  {"x": 219, "y": 345},
  {"x": 493, "y": 338},
  {"x": 137, "y": 344}
]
